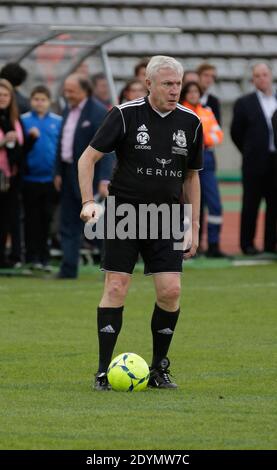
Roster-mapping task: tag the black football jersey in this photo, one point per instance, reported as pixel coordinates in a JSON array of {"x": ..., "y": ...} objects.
[{"x": 154, "y": 150}]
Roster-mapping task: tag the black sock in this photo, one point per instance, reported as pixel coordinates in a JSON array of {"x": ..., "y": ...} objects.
[
  {"x": 162, "y": 326},
  {"x": 109, "y": 322}
]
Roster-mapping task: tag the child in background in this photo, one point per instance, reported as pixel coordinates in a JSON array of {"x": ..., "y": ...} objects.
[{"x": 38, "y": 189}]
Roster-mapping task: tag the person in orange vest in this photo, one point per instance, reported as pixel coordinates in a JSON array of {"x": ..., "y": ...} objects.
[{"x": 213, "y": 135}]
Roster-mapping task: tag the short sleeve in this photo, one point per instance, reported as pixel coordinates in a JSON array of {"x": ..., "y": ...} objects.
[
  {"x": 196, "y": 156},
  {"x": 110, "y": 133}
]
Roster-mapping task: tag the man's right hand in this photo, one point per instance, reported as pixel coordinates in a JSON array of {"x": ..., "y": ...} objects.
[
  {"x": 58, "y": 183},
  {"x": 91, "y": 212}
]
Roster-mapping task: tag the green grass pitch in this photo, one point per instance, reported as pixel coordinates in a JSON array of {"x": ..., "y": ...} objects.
[{"x": 223, "y": 359}]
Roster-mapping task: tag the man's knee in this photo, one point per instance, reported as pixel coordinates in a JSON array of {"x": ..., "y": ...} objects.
[
  {"x": 116, "y": 289},
  {"x": 169, "y": 294}
]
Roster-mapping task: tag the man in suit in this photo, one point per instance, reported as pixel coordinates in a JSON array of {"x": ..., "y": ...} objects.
[
  {"x": 252, "y": 133},
  {"x": 81, "y": 121},
  {"x": 274, "y": 125}
]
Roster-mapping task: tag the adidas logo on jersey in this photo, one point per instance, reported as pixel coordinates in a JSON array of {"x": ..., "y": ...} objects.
[
  {"x": 107, "y": 329},
  {"x": 142, "y": 128}
]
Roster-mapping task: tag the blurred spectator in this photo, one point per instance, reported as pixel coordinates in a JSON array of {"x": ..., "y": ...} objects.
[
  {"x": 11, "y": 143},
  {"x": 252, "y": 133},
  {"x": 213, "y": 136},
  {"x": 81, "y": 121},
  {"x": 207, "y": 77},
  {"x": 38, "y": 189},
  {"x": 190, "y": 76},
  {"x": 83, "y": 69},
  {"x": 16, "y": 75},
  {"x": 133, "y": 89},
  {"x": 140, "y": 70},
  {"x": 100, "y": 89}
]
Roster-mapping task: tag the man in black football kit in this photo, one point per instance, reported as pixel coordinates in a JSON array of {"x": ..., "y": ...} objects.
[{"x": 158, "y": 144}]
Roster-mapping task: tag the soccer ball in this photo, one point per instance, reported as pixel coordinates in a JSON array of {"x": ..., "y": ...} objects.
[{"x": 128, "y": 372}]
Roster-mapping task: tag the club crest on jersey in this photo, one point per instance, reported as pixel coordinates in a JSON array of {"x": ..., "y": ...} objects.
[
  {"x": 143, "y": 138},
  {"x": 180, "y": 138}
]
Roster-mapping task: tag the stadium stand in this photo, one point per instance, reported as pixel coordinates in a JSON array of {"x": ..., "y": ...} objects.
[{"x": 232, "y": 34}]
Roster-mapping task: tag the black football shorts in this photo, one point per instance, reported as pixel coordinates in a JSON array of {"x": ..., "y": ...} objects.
[{"x": 159, "y": 255}]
